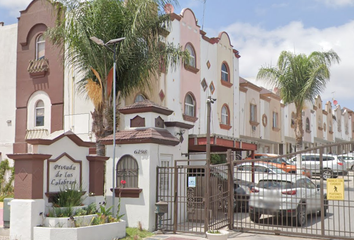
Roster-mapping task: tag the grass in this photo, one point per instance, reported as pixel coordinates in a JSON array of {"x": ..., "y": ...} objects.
[{"x": 136, "y": 234}]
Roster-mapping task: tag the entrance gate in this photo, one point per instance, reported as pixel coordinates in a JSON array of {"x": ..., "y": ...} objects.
[
  {"x": 200, "y": 199},
  {"x": 197, "y": 201}
]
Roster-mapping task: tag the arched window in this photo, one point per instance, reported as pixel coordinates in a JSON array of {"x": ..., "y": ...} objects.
[
  {"x": 127, "y": 170},
  {"x": 139, "y": 98},
  {"x": 189, "y": 105},
  {"x": 192, "y": 60},
  {"x": 40, "y": 47},
  {"x": 225, "y": 115},
  {"x": 225, "y": 72},
  {"x": 307, "y": 124},
  {"x": 39, "y": 113}
]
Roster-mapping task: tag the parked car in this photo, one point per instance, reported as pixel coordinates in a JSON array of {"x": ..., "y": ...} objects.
[
  {"x": 286, "y": 195},
  {"x": 281, "y": 163},
  {"x": 244, "y": 171},
  {"x": 242, "y": 194},
  {"x": 348, "y": 159},
  {"x": 332, "y": 165},
  {"x": 244, "y": 184}
]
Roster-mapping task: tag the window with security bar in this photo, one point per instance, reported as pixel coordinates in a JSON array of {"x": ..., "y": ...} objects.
[{"x": 127, "y": 172}]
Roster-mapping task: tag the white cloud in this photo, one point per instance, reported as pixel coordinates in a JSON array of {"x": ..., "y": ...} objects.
[
  {"x": 259, "y": 47},
  {"x": 337, "y": 3},
  {"x": 15, "y": 6}
]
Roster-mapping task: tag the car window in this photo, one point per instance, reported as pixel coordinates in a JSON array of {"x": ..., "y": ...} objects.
[
  {"x": 300, "y": 183},
  {"x": 273, "y": 184},
  {"x": 309, "y": 184}
]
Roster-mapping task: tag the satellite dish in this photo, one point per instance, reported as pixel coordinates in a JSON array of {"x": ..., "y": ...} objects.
[{"x": 168, "y": 8}]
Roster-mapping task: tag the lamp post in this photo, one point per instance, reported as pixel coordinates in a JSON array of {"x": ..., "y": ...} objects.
[
  {"x": 210, "y": 100},
  {"x": 113, "y": 42}
]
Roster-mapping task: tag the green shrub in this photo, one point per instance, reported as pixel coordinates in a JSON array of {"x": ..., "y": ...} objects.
[{"x": 69, "y": 197}]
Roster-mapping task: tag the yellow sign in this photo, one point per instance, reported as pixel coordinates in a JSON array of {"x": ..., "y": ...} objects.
[{"x": 335, "y": 189}]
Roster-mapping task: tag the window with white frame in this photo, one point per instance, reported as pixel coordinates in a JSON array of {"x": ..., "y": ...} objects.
[
  {"x": 307, "y": 124},
  {"x": 192, "y": 59},
  {"x": 39, "y": 113},
  {"x": 189, "y": 105},
  {"x": 225, "y": 72},
  {"x": 127, "y": 172},
  {"x": 253, "y": 112},
  {"x": 225, "y": 115},
  {"x": 275, "y": 120},
  {"x": 40, "y": 47}
]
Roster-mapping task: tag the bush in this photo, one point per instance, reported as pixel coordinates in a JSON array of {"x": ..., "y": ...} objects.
[{"x": 69, "y": 197}]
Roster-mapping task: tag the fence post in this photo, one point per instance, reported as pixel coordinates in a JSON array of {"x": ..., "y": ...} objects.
[
  {"x": 231, "y": 188},
  {"x": 175, "y": 209},
  {"x": 321, "y": 189}
]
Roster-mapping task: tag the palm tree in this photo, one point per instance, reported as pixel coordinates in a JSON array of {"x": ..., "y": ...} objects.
[
  {"x": 299, "y": 78},
  {"x": 139, "y": 57}
]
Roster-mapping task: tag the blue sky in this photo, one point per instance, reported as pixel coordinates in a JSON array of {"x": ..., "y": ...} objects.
[{"x": 261, "y": 29}]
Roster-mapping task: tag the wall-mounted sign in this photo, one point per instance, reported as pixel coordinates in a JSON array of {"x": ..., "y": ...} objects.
[
  {"x": 335, "y": 189},
  {"x": 63, "y": 172},
  {"x": 140, "y": 151},
  {"x": 192, "y": 181}
]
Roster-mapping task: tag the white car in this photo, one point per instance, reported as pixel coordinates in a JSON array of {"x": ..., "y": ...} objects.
[
  {"x": 286, "y": 195},
  {"x": 348, "y": 159},
  {"x": 244, "y": 171},
  {"x": 332, "y": 165}
]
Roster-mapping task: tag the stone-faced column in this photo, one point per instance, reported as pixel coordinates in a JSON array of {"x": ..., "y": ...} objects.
[
  {"x": 97, "y": 166},
  {"x": 28, "y": 206},
  {"x": 29, "y": 175}
]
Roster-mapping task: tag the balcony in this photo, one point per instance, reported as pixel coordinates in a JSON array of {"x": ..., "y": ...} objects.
[{"x": 38, "y": 67}]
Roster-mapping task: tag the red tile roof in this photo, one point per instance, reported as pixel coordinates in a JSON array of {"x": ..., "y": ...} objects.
[
  {"x": 143, "y": 135},
  {"x": 145, "y": 106}
]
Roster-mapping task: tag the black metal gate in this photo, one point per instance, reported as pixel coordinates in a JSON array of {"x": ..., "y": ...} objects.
[{"x": 198, "y": 198}]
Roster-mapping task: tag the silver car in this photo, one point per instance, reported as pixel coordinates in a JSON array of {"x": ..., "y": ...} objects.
[
  {"x": 286, "y": 195},
  {"x": 348, "y": 159},
  {"x": 332, "y": 165}
]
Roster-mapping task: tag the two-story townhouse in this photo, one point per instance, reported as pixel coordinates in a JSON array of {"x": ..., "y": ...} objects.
[
  {"x": 8, "y": 36},
  {"x": 250, "y": 111},
  {"x": 270, "y": 123},
  {"x": 39, "y": 76}
]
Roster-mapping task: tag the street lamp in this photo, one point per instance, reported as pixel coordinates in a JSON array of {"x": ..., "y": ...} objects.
[{"x": 113, "y": 42}]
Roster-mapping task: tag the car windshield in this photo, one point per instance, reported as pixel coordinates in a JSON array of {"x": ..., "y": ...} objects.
[{"x": 274, "y": 184}]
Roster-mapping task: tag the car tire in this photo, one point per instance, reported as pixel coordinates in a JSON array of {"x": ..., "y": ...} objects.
[
  {"x": 327, "y": 173},
  {"x": 255, "y": 216},
  {"x": 301, "y": 215}
]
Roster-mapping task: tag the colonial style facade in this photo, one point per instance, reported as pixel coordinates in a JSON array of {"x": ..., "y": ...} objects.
[{"x": 42, "y": 97}]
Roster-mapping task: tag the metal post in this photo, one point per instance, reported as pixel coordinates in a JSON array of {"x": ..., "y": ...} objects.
[
  {"x": 207, "y": 173},
  {"x": 114, "y": 130}
]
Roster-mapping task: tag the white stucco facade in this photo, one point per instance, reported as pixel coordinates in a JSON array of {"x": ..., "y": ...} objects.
[{"x": 8, "y": 50}]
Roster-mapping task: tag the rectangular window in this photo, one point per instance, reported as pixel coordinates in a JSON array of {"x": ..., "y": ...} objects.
[
  {"x": 253, "y": 113},
  {"x": 275, "y": 120}
]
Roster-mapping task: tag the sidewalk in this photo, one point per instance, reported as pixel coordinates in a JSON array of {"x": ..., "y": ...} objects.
[{"x": 234, "y": 235}]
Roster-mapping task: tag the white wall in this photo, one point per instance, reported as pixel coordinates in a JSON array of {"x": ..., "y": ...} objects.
[
  {"x": 140, "y": 209},
  {"x": 8, "y": 59},
  {"x": 77, "y": 108}
]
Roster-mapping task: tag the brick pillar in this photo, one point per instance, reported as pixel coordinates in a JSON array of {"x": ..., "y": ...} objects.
[
  {"x": 29, "y": 175},
  {"x": 97, "y": 166}
]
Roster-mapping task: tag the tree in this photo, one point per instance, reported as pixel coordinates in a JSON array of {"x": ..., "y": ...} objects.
[
  {"x": 139, "y": 58},
  {"x": 299, "y": 78}
]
